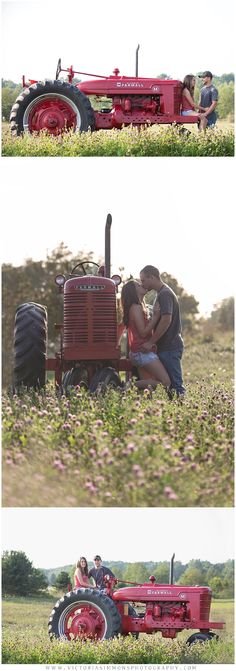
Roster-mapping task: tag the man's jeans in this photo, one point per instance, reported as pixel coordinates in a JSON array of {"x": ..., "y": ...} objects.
[{"x": 172, "y": 362}]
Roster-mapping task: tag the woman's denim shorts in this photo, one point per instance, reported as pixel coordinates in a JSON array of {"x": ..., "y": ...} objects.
[
  {"x": 141, "y": 359},
  {"x": 188, "y": 112}
]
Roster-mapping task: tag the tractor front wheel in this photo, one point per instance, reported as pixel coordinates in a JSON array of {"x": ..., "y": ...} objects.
[
  {"x": 84, "y": 614},
  {"x": 74, "y": 377},
  {"x": 200, "y": 637},
  {"x": 52, "y": 106},
  {"x": 107, "y": 377},
  {"x": 30, "y": 342}
]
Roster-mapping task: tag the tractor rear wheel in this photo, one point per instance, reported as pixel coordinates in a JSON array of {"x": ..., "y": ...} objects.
[
  {"x": 52, "y": 106},
  {"x": 85, "y": 613},
  {"x": 199, "y": 637},
  {"x": 107, "y": 377},
  {"x": 30, "y": 343}
]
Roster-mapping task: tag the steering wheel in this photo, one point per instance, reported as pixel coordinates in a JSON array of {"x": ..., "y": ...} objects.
[
  {"x": 83, "y": 265},
  {"x": 58, "y": 70}
]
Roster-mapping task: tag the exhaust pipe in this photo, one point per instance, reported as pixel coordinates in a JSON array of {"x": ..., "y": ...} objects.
[
  {"x": 136, "y": 61},
  {"x": 171, "y": 574},
  {"x": 108, "y": 246}
]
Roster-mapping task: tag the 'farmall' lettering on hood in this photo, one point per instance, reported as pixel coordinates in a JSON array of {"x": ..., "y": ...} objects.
[
  {"x": 137, "y": 85},
  {"x": 159, "y": 591}
]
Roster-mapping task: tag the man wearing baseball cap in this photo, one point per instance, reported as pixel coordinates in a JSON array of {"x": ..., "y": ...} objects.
[
  {"x": 208, "y": 101},
  {"x": 99, "y": 572}
]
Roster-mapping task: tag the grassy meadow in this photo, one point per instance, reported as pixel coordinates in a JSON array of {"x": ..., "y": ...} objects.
[
  {"x": 25, "y": 641},
  {"x": 157, "y": 140},
  {"x": 126, "y": 448}
]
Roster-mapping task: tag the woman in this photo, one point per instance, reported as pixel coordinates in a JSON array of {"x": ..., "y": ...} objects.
[
  {"x": 151, "y": 370},
  {"x": 81, "y": 574},
  {"x": 188, "y": 102}
]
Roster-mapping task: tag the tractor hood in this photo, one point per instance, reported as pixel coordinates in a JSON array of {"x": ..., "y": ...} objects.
[
  {"x": 116, "y": 86},
  {"x": 156, "y": 592}
]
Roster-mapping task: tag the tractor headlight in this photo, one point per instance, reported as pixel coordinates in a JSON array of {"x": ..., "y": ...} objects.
[
  {"x": 116, "y": 279},
  {"x": 60, "y": 280}
]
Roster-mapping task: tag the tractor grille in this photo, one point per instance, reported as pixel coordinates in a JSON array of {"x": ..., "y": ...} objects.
[
  {"x": 205, "y": 603},
  {"x": 89, "y": 318},
  {"x": 104, "y": 318}
]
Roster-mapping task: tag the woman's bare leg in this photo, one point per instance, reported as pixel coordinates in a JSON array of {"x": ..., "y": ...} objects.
[{"x": 152, "y": 374}]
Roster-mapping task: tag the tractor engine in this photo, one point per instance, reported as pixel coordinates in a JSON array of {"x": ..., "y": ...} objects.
[{"x": 129, "y": 104}]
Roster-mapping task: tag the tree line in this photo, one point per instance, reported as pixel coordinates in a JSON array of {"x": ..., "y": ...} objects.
[
  {"x": 224, "y": 84},
  {"x": 34, "y": 281},
  {"x": 20, "y": 578}
]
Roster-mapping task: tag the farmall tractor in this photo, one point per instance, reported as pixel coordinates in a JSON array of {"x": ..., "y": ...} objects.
[
  {"x": 57, "y": 106},
  {"x": 145, "y": 608},
  {"x": 89, "y": 354}
]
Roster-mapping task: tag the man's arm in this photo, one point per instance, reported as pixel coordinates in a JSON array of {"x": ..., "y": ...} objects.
[
  {"x": 211, "y": 108},
  {"x": 161, "y": 328}
]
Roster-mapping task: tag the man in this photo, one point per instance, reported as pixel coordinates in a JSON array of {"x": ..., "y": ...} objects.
[
  {"x": 98, "y": 572},
  {"x": 167, "y": 334},
  {"x": 208, "y": 101}
]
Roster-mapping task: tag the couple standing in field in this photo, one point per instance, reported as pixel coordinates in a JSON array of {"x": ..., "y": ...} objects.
[
  {"x": 208, "y": 100},
  {"x": 155, "y": 344}
]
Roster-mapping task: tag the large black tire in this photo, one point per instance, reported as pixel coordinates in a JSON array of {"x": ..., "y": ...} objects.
[
  {"x": 107, "y": 377},
  {"x": 199, "y": 637},
  {"x": 75, "y": 109},
  {"x": 30, "y": 343},
  {"x": 72, "y": 378},
  {"x": 100, "y": 618},
  {"x": 132, "y": 613}
]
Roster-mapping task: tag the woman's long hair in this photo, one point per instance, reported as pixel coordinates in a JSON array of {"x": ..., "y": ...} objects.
[
  {"x": 187, "y": 84},
  {"x": 129, "y": 296},
  {"x": 84, "y": 569}
]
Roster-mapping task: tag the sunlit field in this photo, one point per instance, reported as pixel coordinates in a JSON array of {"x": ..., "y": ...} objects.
[
  {"x": 126, "y": 448},
  {"x": 158, "y": 140},
  {"x": 26, "y": 641}
]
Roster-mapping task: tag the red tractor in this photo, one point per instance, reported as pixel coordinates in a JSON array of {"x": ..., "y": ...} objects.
[
  {"x": 56, "y": 106},
  {"x": 89, "y": 351},
  {"x": 145, "y": 608}
]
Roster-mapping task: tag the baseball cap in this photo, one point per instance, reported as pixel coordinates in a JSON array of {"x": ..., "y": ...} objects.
[
  {"x": 97, "y": 557},
  {"x": 207, "y": 73}
]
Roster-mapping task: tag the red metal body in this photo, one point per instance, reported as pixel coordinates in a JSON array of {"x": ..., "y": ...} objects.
[
  {"x": 137, "y": 100},
  {"x": 143, "y": 608},
  {"x": 89, "y": 334},
  {"x": 168, "y": 608},
  {"x": 132, "y": 100}
]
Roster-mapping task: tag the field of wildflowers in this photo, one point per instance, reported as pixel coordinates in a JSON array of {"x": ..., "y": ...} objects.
[
  {"x": 147, "y": 141},
  {"x": 25, "y": 641},
  {"x": 125, "y": 448}
]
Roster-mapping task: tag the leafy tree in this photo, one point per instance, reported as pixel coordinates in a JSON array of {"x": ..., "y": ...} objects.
[
  {"x": 223, "y": 314},
  {"x": 225, "y": 105},
  {"x": 192, "y": 576},
  {"x": 161, "y": 573},
  {"x": 163, "y": 75},
  {"x": 62, "y": 580},
  {"x": 10, "y": 91},
  {"x": 216, "y": 585},
  {"x": 19, "y": 577},
  {"x": 136, "y": 572}
]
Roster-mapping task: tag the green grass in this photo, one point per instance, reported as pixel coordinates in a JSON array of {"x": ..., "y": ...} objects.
[
  {"x": 159, "y": 140},
  {"x": 25, "y": 641},
  {"x": 126, "y": 448}
]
